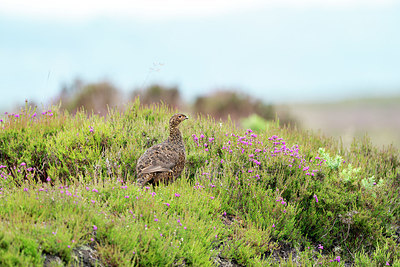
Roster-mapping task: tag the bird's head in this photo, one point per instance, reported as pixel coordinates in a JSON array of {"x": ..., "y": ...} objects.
[{"x": 176, "y": 119}]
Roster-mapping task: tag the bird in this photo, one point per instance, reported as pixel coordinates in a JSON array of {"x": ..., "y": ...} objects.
[{"x": 163, "y": 162}]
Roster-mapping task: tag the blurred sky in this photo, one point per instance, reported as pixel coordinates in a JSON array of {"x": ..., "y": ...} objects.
[{"x": 279, "y": 50}]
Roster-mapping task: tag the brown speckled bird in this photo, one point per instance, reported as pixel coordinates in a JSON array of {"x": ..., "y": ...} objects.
[{"x": 163, "y": 162}]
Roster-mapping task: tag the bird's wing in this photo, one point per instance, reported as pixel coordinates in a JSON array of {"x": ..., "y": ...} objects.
[
  {"x": 157, "y": 168},
  {"x": 161, "y": 159}
]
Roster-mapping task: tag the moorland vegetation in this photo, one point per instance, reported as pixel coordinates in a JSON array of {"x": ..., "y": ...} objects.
[{"x": 279, "y": 196}]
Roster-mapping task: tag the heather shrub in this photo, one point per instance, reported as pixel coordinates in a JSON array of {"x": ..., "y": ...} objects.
[{"x": 268, "y": 197}]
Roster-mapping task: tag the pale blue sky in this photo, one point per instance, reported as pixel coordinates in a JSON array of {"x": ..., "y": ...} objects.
[{"x": 279, "y": 52}]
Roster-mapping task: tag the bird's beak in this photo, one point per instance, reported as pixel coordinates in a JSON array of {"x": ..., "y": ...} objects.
[{"x": 186, "y": 118}]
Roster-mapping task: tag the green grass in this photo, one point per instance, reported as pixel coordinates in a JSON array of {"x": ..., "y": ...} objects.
[{"x": 275, "y": 197}]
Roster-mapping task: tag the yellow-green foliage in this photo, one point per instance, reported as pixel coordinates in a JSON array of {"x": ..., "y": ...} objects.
[
  {"x": 350, "y": 174},
  {"x": 68, "y": 181}
]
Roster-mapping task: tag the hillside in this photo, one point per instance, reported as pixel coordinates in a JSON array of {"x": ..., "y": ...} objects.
[
  {"x": 282, "y": 197},
  {"x": 346, "y": 119}
]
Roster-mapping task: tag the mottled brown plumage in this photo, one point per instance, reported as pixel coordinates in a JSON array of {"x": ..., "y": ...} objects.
[{"x": 163, "y": 162}]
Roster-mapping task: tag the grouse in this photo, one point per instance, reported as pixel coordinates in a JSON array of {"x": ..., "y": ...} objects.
[{"x": 163, "y": 162}]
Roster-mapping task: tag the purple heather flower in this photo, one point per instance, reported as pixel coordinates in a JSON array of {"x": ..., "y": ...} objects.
[
  {"x": 166, "y": 204},
  {"x": 316, "y": 198},
  {"x": 177, "y": 195},
  {"x": 69, "y": 246},
  {"x": 126, "y": 196},
  {"x": 94, "y": 227},
  {"x": 202, "y": 136},
  {"x": 23, "y": 164},
  {"x": 273, "y": 225},
  {"x": 156, "y": 220},
  {"x": 26, "y": 189},
  {"x": 48, "y": 179},
  {"x": 95, "y": 190},
  {"x": 320, "y": 246}
]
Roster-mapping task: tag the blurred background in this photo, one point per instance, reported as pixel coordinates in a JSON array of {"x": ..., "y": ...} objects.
[{"x": 327, "y": 65}]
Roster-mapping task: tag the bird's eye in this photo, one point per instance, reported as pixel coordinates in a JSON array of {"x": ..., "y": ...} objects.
[{"x": 180, "y": 116}]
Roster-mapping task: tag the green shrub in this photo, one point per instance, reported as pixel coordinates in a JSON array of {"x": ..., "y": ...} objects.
[{"x": 68, "y": 181}]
